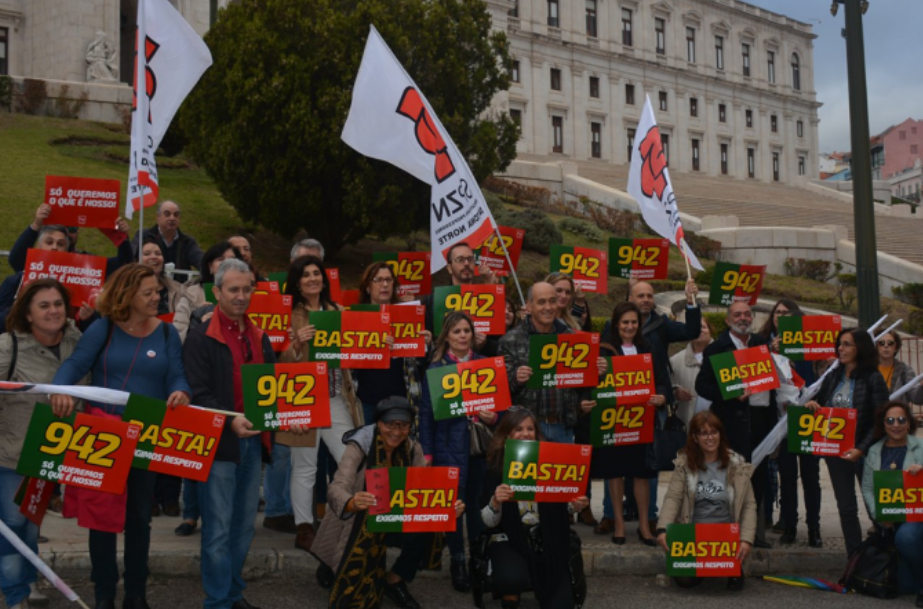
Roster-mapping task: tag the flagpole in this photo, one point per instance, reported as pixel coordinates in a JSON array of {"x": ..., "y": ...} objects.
[
  {"x": 685, "y": 257},
  {"x": 510, "y": 262},
  {"x": 140, "y": 224}
]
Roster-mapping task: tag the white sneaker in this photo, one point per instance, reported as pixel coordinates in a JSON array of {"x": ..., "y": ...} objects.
[{"x": 36, "y": 598}]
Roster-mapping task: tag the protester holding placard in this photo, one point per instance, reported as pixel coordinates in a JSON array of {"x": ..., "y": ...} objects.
[
  {"x": 309, "y": 287},
  {"x": 565, "y": 289},
  {"x": 51, "y": 238},
  {"x": 129, "y": 349},
  {"x": 41, "y": 336},
  {"x": 214, "y": 353},
  {"x": 448, "y": 442},
  {"x": 898, "y": 449},
  {"x": 179, "y": 248},
  {"x": 856, "y": 383},
  {"x": 684, "y": 367},
  {"x": 711, "y": 484},
  {"x": 747, "y": 419},
  {"x": 171, "y": 291},
  {"x": 531, "y": 544},
  {"x": 895, "y": 372},
  {"x": 195, "y": 306},
  {"x": 353, "y": 560}
]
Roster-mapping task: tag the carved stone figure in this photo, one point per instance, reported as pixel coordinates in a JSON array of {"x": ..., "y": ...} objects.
[{"x": 102, "y": 60}]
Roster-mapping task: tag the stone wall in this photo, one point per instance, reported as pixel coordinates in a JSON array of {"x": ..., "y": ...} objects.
[{"x": 104, "y": 103}]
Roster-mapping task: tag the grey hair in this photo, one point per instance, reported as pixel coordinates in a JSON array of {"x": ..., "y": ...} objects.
[
  {"x": 231, "y": 264},
  {"x": 54, "y": 228},
  {"x": 313, "y": 244}
]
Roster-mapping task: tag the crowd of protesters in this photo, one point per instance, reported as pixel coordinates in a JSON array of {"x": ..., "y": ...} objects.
[{"x": 313, "y": 480}]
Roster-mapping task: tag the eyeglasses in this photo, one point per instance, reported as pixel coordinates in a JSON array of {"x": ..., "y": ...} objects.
[
  {"x": 398, "y": 425},
  {"x": 886, "y": 343},
  {"x": 385, "y": 280},
  {"x": 463, "y": 260},
  {"x": 896, "y": 420},
  {"x": 710, "y": 433}
]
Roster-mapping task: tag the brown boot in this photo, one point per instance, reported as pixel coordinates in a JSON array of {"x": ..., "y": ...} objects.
[
  {"x": 586, "y": 517},
  {"x": 305, "y": 538},
  {"x": 605, "y": 527}
]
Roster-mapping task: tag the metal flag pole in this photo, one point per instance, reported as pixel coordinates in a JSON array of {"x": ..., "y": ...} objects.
[{"x": 510, "y": 262}]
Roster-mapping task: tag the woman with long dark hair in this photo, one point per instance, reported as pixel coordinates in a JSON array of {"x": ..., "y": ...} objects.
[
  {"x": 857, "y": 384},
  {"x": 190, "y": 309}
]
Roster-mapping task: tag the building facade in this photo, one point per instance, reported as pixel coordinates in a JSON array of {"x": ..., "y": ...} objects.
[
  {"x": 731, "y": 85},
  {"x": 896, "y": 149}
]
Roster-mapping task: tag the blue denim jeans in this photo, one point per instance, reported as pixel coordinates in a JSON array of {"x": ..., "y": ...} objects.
[
  {"x": 16, "y": 573},
  {"x": 190, "y": 500},
  {"x": 229, "y": 501},
  {"x": 909, "y": 544},
  {"x": 276, "y": 480},
  {"x": 556, "y": 432}
]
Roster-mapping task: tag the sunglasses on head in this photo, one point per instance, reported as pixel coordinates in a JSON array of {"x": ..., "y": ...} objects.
[
  {"x": 896, "y": 420},
  {"x": 886, "y": 343}
]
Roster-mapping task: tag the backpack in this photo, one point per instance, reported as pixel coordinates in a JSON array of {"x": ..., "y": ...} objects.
[{"x": 872, "y": 569}]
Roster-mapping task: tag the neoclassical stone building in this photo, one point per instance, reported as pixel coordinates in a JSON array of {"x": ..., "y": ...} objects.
[{"x": 731, "y": 84}]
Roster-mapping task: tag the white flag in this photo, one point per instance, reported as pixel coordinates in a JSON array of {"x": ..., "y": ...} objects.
[
  {"x": 649, "y": 184},
  {"x": 174, "y": 59},
  {"x": 390, "y": 120}
]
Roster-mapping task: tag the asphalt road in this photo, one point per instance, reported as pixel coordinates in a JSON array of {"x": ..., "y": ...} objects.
[{"x": 623, "y": 592}]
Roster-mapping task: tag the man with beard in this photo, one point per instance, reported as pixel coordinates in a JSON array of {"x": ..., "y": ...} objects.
[{"x": 747, "y": 419}]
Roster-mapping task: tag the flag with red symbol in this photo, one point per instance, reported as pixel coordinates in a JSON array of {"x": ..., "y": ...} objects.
[
  {"x": 649, "y": 184},
  {"x": 174, "y": 57},
  {"x": 390, "y": 120}
]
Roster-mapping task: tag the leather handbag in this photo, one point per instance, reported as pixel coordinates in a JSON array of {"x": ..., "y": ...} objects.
[
  {"x": 481, "y": 435},
  {"x": 669, "y": 439}
]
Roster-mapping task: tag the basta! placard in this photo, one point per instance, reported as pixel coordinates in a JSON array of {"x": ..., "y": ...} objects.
[
  {"x": 468, "y": 388},
  {"x": 272, "y": 314},
  {"x": 412, "y": 499},
  {"x": 898, "y": 495},
  {"x": 750, "y": 368},
  {"x": 350, "y": 339},
  {"x": 703, "y": 550},
  {"x": 546, "y": 471},
  {"x": 587, "y": 267},
  {"x": 563, "y": 360},
  {"x": 277, "y": 396},
  {"x": 82, "y": 202},
  {"x": 808, "y": 338}
]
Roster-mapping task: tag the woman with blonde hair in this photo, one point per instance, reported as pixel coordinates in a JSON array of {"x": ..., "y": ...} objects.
[{"x": 566, "y": 290}]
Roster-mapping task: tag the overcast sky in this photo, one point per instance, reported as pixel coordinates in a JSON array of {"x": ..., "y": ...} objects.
[{"x": 893, "y": 59}]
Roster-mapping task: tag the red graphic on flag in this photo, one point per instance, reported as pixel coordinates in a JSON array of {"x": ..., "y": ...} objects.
[
  {"x": 150, "y": 80},
  {"x": 429, "y": 138},
  {"x": 653, "y": 164}
]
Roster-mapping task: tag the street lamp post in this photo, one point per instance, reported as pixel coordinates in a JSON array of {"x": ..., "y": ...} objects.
[{"x": 863, "y": 203}]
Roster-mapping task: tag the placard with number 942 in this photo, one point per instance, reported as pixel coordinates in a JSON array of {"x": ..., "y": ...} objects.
[
  {"x": 587, "y": 267},
  {"x": 563, "y": 360},
  {"x": 736, "y": 283},
  {"x": 468, "y": 388},
  {"x": 827, "y": 432},
  {"x": 80, "y": 450},
  {"x": 277, "y": 396},
  {"x": 643, "y": 259}
]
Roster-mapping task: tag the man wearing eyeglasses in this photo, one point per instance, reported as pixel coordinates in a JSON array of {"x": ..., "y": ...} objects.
[
  {"x": 213, "y": 354},
  {"x": 178, "y": 247},
  {"x": 748, "y": 419}
]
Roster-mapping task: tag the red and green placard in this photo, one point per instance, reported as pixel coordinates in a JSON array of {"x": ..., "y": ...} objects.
[
  {"x": 750, "y": 368},
  {"x": 622, "y": 415},
  {"x": 333, "y": 277},
  {"x": 468, "y": 388},
  {"x": 642, "y": 259},
  {"x": 272, "y": 313},
  {"x": 79, "y": 450},
  {"x": 546, "y": 471},
  {"x": 32, "y": 497},
  {"x": 411, "y": 270},
  {"x": 703, "y": 550},
  {"x": 491, "y": 252},
  {"x": 277, "y": 396},
  {"x": 350, "y": 339},
  {"x": 174, "y": 441},
  {"x": 807, "y": 338},
  {"x": 266, "y": 287},
  {"x": 827, "y": 432},
  {"x": 629, "y": 379},
  {"x": 406, "y": 327},
  {"x": 563, "y": 360},
  {"x": 898, "y": 496},
  {"x": 280, "y": 278},
  {"x": 348, "y": 298},
  {"x": 82, "y": 201},
  {"x": 736, "y": 283},
  {"x": 484, "y": 304},
  {"x": 586, "y": 266},
  {"x": 81, "y": 274},
  {"x": 412, "y": 499}
]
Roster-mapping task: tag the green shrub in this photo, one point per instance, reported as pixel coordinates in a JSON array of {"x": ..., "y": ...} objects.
[
  {"x": 32, "y": 96},
  {"x": 496, "y": 207},
  {"x": 911, "y": 293},
  {"x": 846, "y": 289},
  {"x": 717, "y": 321},
  {"x": 598, "y": 323},
  {"x": 703, "y": 247},
  {"x": 583, "y": 229},
  {"x": 703, "y": 278},
  {"x": 815, "y": 270},
  {"x": 541, "y": 233}
]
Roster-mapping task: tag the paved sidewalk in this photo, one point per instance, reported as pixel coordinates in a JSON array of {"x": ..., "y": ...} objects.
[{"x": 274, "y": 552}]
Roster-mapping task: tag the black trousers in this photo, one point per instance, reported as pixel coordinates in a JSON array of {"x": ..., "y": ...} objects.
[
  {"x": 510, "y": 576},
  {"x": 167, "y": 490},
  {"x": 105, "y": 568},
  {"x": 413, "y": 550},
  {"x": 843, "y": 476},
  {"x": 789, "y": 465}
]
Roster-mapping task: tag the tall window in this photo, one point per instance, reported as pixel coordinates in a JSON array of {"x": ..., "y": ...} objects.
[
  {"x": 751, "y": 162},
  {"x": 665, "y": 143},
  {"x": 4, "y": 51},
  {"x": 514, "y": 12},
  {"x": 722, "y": 113},
  {"x": 631, "y": 142},
  {"x": 774, "y": 123},
  {"x": 591, "y": 18},
  {"x": 663, "y": 101},
  {"x": 749, "y": 118},
  {"x": 553, "y": 19},
  {"x": 775, "y": 166},
  {"x": 801, "y": 166},
  {"x": 516, "y": 116},
  {"x": 719, "y": 52},
  {"x": 796, "y": 72},
  {"x": 514, "y": 71},
  {"x": 596, "y": 140},
  {"x": 771, "y": 66},
  {"x": 724, "y": 159},
  {"x": 630, "y": 95},
  {"x": 626, "y": 27},
  {"x": 555, "y": 79},
  {"x": 690, "y": 44},
  {"x": 799, "y": 128},
  {"x": 557, "y": 128},
  {"x": 660, "y": 35},
  {"x": 594, "y": 86},
  {"x": 745, "y": 51},
  {"x": 695, "y": 155},
  {"x": 914, "y": 149},
  {"x": 693, "y": 107}
]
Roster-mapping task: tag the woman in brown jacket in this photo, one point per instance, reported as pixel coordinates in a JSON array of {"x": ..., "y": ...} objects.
[
  {"x": 309, "y": 288},
  {"x": 711, "y": 484}
]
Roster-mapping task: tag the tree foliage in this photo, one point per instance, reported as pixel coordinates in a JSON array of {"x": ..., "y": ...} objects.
[{"x": 266, "y": 118}]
